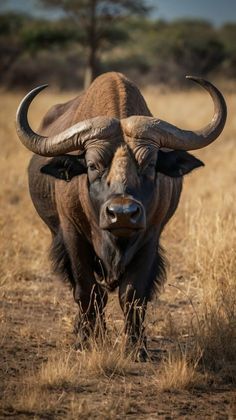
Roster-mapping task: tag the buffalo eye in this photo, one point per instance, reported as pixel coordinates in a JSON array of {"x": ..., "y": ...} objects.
[
  {"x": 92, "y": 167},
  {"x": 93, "y": 172},
  {"x": 149, "y": 170}
]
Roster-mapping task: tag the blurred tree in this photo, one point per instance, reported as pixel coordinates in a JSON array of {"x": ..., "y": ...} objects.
[
  {"x": 227, "y": 35},
  {"x": 33, "y": 50},
  {"x": 45, "y": 35},
  {"x": 11, "y": 46},
  {"x": 96, "y": 18},
  {"x": 189, "y": 47}
]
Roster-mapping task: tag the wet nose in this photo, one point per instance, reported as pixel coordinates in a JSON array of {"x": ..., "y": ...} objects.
[
  {"x": 123, "y": 212},
  {"x": 122, "y": 216}
]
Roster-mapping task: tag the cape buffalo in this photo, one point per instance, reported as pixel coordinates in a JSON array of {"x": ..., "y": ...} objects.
[{"x": 106, "y": 176}]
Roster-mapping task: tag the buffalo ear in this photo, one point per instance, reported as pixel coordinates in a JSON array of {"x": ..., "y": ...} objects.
[
  {"x": 65, "y": 167},
  {"x": 176, "y": 163}
]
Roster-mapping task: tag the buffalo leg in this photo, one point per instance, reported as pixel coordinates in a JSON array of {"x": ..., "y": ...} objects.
[
  {"x": 89, "y": 296},
  {"x": 134, "y": 309},
  {"x": 90, "y": 317},
  {"x": 134, "y": 292}
]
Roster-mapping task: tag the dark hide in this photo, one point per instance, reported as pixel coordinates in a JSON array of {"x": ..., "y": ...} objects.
[
  {"x": 61, "y": 260},
  {"x": 65, "y": 167},
  {"x": 176, "y": 163},
  {"x": 160, "y": 272}
]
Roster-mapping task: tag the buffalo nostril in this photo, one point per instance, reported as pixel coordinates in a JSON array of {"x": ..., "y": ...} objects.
[
  {"x": 111, "y": 214},
  {"x": 134, "y": 215},
  {"x": 133, "y": 212},
  {"x": 125, "y": 212}
]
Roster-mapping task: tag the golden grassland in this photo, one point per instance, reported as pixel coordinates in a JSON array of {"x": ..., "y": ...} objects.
[{"x": 192, "y": 325}]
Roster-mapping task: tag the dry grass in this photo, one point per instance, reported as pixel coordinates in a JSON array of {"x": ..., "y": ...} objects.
[
  {"x": 59, "y": 371},
  {"x": 197, "y": 310},
  {"x": 202, "y": 242},
  {"x": 106, "y": 359},
  {"x": 70, "y": 373},
  {"x": 179, "y": 373}
]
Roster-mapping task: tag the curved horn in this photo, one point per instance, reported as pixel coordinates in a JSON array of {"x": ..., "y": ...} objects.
[
  {"x": 73, "y": 138},
  {"x": 167, "y": 135}
]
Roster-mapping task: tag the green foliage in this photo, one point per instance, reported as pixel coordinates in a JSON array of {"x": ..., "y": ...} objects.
[
  {"x": 228, "y": 36},
  {"x": 11, "y": 45},
  {"x": 113, "y": 36},
  {"x": 11, "y": 24},
  {"x": 190, "y": 45},
  {"x": 47, "y": 35}
]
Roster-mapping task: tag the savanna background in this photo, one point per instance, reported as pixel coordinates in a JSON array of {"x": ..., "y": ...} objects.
[{"x": 191, "y": 369}]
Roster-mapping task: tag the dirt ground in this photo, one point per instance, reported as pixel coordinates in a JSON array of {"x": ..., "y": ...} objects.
[
  {"x": 41, "y": 376},
  {"x": 37, "y": 320}
]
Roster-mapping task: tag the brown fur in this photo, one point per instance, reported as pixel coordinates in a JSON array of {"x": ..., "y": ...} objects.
[{"x": 122, "y": 168}]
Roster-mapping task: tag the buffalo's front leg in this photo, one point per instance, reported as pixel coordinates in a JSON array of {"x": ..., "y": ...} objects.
[
  {"x": 134, "y": 292},
  {"x": 89, "y": 296},
  {"x": 134, "y": 309},
  {"x": 90, "y": 317}
]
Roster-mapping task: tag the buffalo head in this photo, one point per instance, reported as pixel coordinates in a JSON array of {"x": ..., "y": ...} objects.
[{"x": 123, "y": 159}]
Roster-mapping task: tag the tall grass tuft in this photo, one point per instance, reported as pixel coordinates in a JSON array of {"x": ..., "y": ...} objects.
[{"x": 178, "y": 372}]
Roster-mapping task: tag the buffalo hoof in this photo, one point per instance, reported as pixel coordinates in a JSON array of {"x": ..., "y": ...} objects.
[
  {"x": 141, "y": 355},
  {"x": 82, "y": 341},
  {"x": 137, "y": 348},
  {"x": 78, "y": 346}
]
